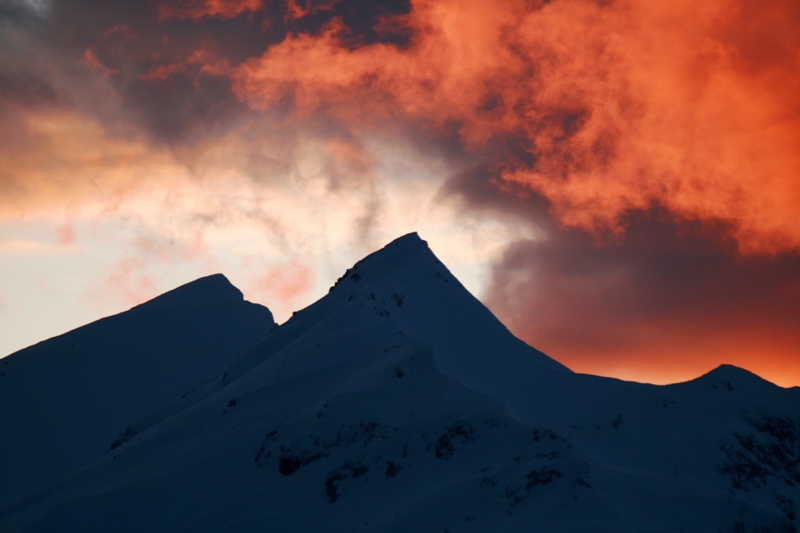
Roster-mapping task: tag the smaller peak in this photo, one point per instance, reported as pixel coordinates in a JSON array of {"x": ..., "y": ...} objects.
[
  {"x": 727, "y": 373},
  {"x": 211, "y": 280},
  {"x": 216, "y": 282},
  {"x": 210, "y": 289}
]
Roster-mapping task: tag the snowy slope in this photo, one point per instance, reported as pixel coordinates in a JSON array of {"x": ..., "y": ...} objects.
[
  {"x": 399, "y": 403},
  {"x": 64, "y": 400}
]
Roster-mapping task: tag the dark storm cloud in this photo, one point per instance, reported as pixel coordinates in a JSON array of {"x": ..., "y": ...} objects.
[
  {"x": 368, "y": 21},
  {"x": 76, "y": 42},
  {"x": 667, "y": 295},
  {"x": 170, "y": 70},
  {"x": 170, "y": 76},
  {"x": 26, "y": 89},
  {"x": 477, "y": 192}
]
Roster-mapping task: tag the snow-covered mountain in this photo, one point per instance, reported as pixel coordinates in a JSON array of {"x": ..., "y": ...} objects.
[
  {"x": 62, "y": 400},
  {"x": 399, "y": 403}
]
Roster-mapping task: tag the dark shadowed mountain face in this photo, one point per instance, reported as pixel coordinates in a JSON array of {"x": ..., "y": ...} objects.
[
  {"x": 399, "y": 403},
  {"x": 63, "y": 400}
]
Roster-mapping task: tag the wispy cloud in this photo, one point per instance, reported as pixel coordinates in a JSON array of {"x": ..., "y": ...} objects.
[{"x": 21, "y": 247}]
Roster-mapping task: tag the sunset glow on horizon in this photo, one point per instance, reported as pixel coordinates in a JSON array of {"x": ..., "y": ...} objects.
[{"x": 619, "y": 181}]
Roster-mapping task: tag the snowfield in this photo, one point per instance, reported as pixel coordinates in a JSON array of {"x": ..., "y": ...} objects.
[{"x": 397, "y": 402}]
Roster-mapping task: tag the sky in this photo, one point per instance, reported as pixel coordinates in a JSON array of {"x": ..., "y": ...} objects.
[{"x": 617, "y": 180}]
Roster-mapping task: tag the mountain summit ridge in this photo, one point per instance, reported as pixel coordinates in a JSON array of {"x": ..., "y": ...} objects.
[{"x": 207, "y": 290}]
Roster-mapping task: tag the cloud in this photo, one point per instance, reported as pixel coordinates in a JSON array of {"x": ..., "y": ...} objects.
[
  {"x": 673, "y": 108},
  {"x": 66, "y": 234},
  {"x": 28, "y": 247},
  {"x": 143, "y": 249},
  {"x": 26, "y": 89},
  {"x": 62, "y": 161},
  {"x": 297, "y": 9},
  {"x": 623, "y": 106},
  {"x": 285, "y": 285},
  {"x": 129, "y": 281},
  {"x": 17, "y": 11},
  {"x": 201, "y": 9}
]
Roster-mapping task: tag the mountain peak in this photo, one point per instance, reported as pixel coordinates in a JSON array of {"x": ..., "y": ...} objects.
[
  {"x": 733, "y": 374},
  {"x": 409, "y": 240},
  {"x": 405, "y": 289},
  {"x": 404, "y": 257},
  {"x": 410, "y": 243}
]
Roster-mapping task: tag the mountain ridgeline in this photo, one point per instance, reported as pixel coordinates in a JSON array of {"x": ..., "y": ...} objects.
[{"x": 397, "y": 402}]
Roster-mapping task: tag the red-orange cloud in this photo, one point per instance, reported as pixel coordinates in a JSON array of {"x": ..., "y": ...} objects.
[
  {"x": 297, "y": 9},
  {"x": 90, "y": 58},
  {"x": 201, "y": 9},
  {"x": 202, "y": 61},
  {"x": 624, "y": 106}
]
